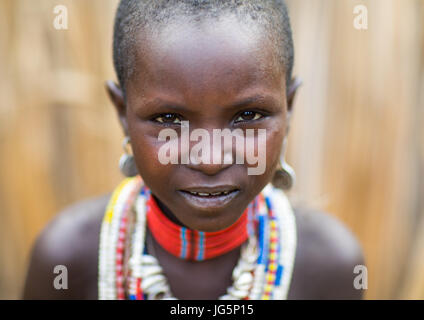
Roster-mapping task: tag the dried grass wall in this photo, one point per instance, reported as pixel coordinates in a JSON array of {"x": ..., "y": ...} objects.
[{"x": 356, "y": 142}]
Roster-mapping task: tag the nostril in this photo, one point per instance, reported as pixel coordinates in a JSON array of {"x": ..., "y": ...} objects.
[{"x": 209, "y": 169}]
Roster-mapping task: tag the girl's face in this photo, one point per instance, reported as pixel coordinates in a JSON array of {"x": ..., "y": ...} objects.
[{"x": 215, "y": 75}]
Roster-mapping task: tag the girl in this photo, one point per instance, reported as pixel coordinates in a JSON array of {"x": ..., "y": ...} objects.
[{"x": 198, "y": 229}]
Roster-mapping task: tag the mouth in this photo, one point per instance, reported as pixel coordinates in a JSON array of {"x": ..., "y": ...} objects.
[{"x": 209, "y": 198}]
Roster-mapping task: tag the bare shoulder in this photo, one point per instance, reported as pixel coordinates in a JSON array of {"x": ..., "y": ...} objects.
[
  {"x": 327, "y": 253},
  {"x": 70, "y": 240}
]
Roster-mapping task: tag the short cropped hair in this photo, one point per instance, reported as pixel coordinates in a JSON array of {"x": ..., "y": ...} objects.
[{"x": 134, "y": 15}]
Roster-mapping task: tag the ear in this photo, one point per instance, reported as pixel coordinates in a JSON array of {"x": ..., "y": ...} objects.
[
  {"x": 117, "y": 97},
  {"x": 295, "y": 83}
]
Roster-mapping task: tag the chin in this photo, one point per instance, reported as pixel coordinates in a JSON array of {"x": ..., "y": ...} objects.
[{"x": 210, "y": 220}]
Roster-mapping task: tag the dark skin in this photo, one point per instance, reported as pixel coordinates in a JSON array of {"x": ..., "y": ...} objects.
[{"x": 204, "y": 74}]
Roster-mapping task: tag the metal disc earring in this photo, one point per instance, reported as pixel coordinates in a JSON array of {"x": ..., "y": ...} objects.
[
  {"x": 284, "y": 176},
  {"x": 126, "y": 162}
]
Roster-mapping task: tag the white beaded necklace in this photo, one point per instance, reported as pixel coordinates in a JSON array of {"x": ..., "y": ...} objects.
[{"x": 251, "y": 278}]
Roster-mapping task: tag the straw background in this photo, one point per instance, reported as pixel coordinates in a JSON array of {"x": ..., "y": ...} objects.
[{"x": 356, "y": 141}]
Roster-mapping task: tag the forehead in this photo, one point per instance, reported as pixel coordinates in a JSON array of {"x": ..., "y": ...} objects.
[{"x": 209, "y": 59}]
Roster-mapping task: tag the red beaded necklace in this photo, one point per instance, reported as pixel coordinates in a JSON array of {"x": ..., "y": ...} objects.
[{"x": 192, "y": 244}]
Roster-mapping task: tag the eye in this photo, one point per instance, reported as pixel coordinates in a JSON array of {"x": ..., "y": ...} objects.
[
  {"x": 168, "y": 118},
  {"x": 248, "y": 116}
]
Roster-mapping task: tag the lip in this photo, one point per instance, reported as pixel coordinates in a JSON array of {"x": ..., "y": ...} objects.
[
  {"x": 210, "y": 189},
  {"x": 209, "y": 202}
]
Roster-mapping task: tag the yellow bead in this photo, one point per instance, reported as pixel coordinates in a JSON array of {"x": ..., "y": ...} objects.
[
  {"x": 268, "y": 288},
  {"x": 109, "y": 216},
  {"x": 270, "y": 277}
]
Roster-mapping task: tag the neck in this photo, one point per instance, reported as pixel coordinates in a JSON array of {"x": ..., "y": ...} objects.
[
  {"x": 167, "y": 213},
  {"x": 190, "y": 244}
]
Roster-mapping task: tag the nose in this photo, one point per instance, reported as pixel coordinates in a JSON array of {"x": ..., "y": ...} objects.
[
  {"x": 209, "y": 169},
  {"x": 209, "y": 157}
]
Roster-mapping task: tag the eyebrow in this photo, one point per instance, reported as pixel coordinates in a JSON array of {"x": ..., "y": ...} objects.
[{"x": 255, "y": 99}]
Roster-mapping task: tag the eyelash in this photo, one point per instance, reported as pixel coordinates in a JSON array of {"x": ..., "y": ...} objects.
[
  {"x": 257, "y": 116},
  {"x": 167, "y": 114},
  {"x": 255, "y": 113}
]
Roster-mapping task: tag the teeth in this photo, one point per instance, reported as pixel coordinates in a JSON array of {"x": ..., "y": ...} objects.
[{"x": 205, "y": 194}]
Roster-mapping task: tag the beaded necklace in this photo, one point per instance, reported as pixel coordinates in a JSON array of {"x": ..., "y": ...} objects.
[
  {"x": 192, "y": 244},
  {"x": 127, "y": 271}
]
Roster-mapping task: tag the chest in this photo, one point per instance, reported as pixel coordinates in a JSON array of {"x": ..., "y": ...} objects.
[{"x": 207, "y": 279}]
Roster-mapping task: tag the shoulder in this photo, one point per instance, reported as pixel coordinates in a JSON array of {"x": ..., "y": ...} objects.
[
  {"x": 69, "y": 240},
  {"x": 327, "y": 253}
]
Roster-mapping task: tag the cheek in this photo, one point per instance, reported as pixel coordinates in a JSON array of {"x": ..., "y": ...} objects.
[
  {"x": 145, "y": 146},
  {"x": 146, "y": 149},
  {"x": 271, "y": 156},
  {"x": 274, "y": 142}
]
